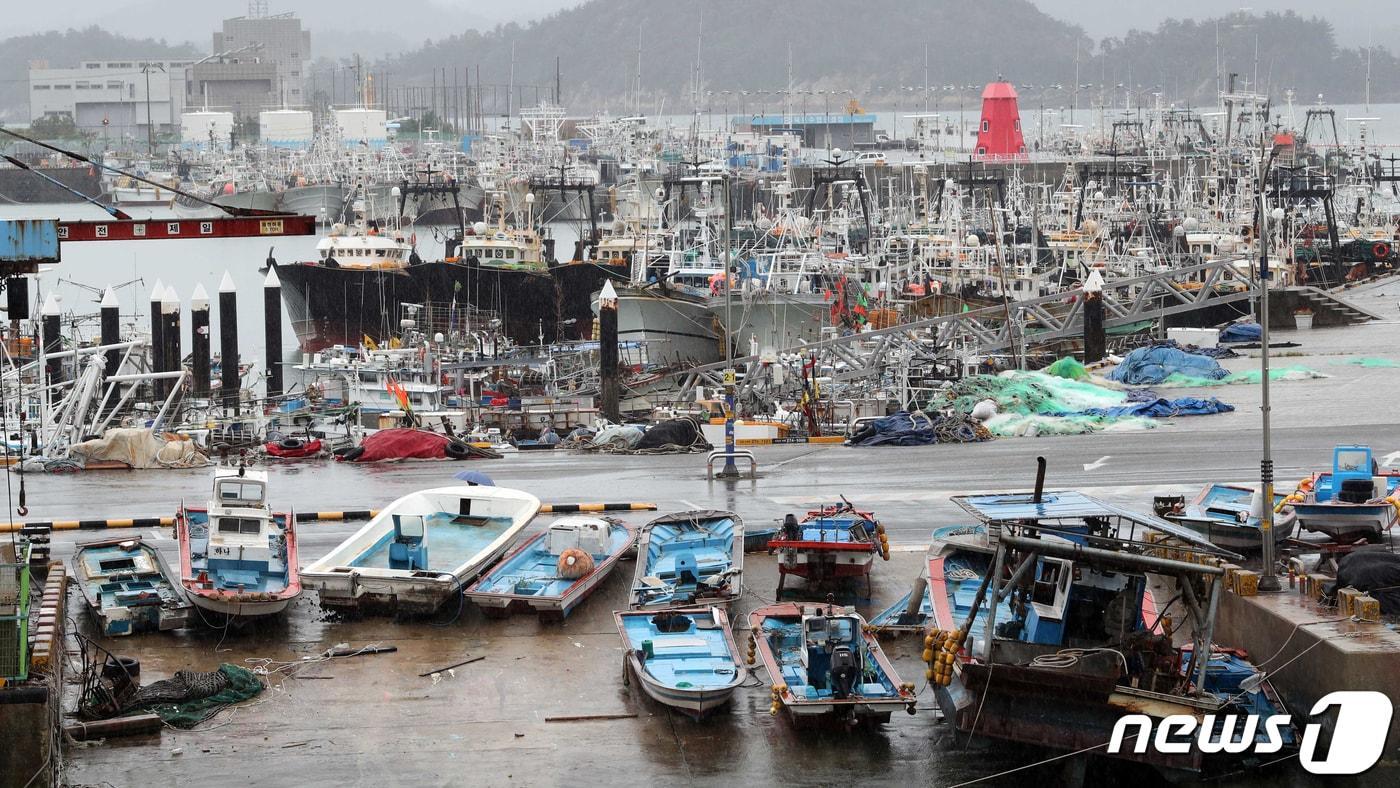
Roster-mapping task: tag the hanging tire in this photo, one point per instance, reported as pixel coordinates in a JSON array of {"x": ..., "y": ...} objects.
[
  {"x": 291, "y": 444},
  {"x": 457, "y": 451}
]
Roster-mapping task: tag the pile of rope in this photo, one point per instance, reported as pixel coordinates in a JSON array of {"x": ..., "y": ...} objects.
[{"x": 960, "y": 428}]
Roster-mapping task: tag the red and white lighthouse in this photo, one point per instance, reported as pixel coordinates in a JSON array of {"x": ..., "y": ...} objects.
[{"x": 999, "y": 133}]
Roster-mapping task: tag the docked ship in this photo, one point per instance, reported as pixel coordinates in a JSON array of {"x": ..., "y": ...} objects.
[
  {"x": 348, "y": 291},
  {"x": 501, "y": 268}
]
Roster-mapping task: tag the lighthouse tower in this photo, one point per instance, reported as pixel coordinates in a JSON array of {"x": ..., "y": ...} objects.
[{"x": 999, "y": 133}]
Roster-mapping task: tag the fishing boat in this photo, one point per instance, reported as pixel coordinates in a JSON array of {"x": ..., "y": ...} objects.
[
  {"x": 1353, "y": 501},
  {"x": 824, "y": 662},
  {"x": 129, "y": 587},
  {"x": 1045, "y": 629},
  {"x": 1225, "y": 515},
  {"x": 238, "y": 557},
  {"x": 684, "y": 658},
  {"x": 554, "y": 570},
  {"x": 421, "y": 549},
  {"x": 911, "y": 613},
  {"x": 351, "y": 288},
  {"x": 689, "y": 558},
  {"x": 829, "y": 545},
  {"x": 1243, "y": 690},
  {"x": 756, "y": 539}
]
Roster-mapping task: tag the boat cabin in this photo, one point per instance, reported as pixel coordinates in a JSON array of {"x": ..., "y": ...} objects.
[
  {"x": 242, "y": 533},
  {"x": 588, "y": 534}
]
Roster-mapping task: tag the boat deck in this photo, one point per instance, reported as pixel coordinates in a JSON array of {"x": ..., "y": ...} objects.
[
  {"x": 534, "y": 570},
  {"x": 785, "y": 638},
  {"x": 452, "y": 541},
  {"x": 696, "y": 658}
]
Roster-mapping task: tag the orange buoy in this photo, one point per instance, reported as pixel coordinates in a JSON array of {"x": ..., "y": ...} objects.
[{"x": 574, "y": 563}]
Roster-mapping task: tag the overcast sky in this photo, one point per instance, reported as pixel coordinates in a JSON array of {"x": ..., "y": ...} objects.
[{"x": 410, "y": 21}]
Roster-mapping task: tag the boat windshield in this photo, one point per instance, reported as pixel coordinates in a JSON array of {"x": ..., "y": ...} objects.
[{"x": 239, "y": 491}]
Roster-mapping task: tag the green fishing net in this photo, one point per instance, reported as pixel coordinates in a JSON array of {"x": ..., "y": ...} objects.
[
  {"x": 242, "y": 684},
  {"x": 1179, "y": 381},
  {"x": 1029, "y": 392},
  {"x": 1068, "y": 368},
  {"x": 1019, "y": 425},
  {"x": 1366, "y": 361}
]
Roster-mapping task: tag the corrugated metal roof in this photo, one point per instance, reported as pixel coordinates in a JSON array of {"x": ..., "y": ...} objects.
[{"x": 1069, "y": 505}]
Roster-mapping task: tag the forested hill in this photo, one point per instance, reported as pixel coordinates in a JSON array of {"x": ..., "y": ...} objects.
[{"x": 875, "y": 47}]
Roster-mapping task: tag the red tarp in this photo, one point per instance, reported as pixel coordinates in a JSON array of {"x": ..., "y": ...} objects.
[{"x": 403, "y": 444}]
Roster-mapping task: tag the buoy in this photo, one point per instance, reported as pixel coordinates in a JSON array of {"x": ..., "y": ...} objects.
[{"x": 574, "y": 563}]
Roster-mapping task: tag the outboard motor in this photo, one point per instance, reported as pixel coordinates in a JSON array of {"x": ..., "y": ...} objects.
[
  {"x": 791, "y": 531},
  {"x": 843, "y": 672}
]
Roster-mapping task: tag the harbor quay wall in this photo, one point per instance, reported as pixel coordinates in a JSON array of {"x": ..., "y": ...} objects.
[{"x": 1354, "y": 656}]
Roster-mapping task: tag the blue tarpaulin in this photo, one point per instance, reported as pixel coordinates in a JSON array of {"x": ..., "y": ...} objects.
[
  {"x": 919, "y": 429},
  {"x": 899, "y": 429},
  {"x": 1159, "y": 408},
  {"x": 1241, "y": 332},
  {"x": 1154, "y": 363}
]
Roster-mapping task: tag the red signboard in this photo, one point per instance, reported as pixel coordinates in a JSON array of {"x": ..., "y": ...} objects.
[{"x": 213, "y": 227}]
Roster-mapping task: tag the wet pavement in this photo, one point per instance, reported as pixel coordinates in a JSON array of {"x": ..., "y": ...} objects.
[{"x": 373, "y": 721}]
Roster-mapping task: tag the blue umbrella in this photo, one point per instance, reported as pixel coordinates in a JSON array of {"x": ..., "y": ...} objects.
[{"x": 475, "y": 478}]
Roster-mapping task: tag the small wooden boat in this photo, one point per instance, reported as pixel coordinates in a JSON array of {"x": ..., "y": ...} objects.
[
  {"x": 554, "y": 570},
  {"x": 825, "y": 662},
  {"x": 237, "y": 557},
  {"x": 1223, "y": 514},
  {"x": 689, "y": 558},
  {"x": 1354, "y": 501},
  {"x": 905, "y": 615},
  {"x": 421, "y": 549},
  {"x": 756, "y": 540},
  {"x": 684, "y": 658},
  {"x": 829, "y": 545},
  {"x": 129, "y": 587}
]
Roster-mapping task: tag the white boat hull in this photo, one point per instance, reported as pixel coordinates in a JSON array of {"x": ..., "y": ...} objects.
[
  {"x": 694, "y": 702},
  {"x": 673, "y": 329},
  {"x": 240, "y": 609},
  {"x": 776, "y": 320}
]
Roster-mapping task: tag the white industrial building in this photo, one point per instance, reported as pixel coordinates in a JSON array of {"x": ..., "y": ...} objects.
[{"x": 109, "y": 97}]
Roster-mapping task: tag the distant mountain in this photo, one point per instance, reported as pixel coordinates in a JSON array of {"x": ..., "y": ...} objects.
[
  {"x": 66, "y": 49},
  {"x": 875, "y": 47},
  {"x": 745, "y": 45}
]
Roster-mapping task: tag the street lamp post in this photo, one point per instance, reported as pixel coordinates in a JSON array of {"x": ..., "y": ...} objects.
[
  {"x": 150, "y": 128},
  {"x": 730, "y": 471},
  {"x": 1269, "y": 582}
]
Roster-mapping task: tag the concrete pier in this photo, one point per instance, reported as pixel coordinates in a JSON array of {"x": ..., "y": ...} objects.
[{"x": 1315, "y": 650}]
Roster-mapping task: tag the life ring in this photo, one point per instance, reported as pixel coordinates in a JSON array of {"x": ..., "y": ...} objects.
[
  {"x": 1381, "y": 250},
  {"x": 457, "y": 451}
]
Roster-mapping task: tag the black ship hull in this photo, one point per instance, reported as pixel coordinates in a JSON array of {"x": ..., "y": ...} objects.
[
  {"x": 577, "y": 282},
  {"x": 341, "y": 306},
  {"x": 526, "y": 302}
]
